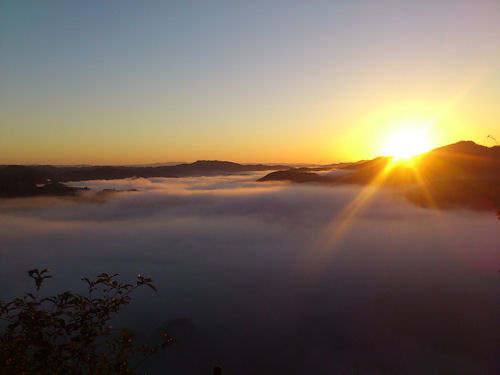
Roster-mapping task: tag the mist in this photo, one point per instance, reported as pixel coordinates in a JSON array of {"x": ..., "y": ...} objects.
[{"x": 275, "y": 278}]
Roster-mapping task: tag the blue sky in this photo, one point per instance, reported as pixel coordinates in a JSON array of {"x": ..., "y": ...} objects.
[{"x": 111, "y": 82}]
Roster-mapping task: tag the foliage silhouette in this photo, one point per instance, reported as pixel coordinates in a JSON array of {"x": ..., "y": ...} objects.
[{"x": 69, "y": 333}]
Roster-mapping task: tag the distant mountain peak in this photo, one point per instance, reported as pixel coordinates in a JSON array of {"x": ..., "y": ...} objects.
[
  {"x": 468, "y": 148},
  {"x": 213, "y": 162}
]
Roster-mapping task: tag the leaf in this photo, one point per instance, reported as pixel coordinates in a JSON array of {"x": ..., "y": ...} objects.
[
  {"x": 71, "y": 330},
  {"x": 33, "y": 271},
  {"x": 152, "y": 287}
]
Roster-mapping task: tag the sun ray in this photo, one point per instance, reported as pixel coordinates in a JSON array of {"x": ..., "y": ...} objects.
[{"x": 340, "y": 224}]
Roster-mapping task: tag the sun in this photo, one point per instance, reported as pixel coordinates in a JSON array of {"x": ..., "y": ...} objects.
[{"x": 407, "y": 143}]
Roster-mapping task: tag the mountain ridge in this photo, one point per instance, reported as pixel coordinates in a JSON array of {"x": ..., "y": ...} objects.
[
  {"x": 460, "y": 174},
  {"x": 22, "y": 180}
]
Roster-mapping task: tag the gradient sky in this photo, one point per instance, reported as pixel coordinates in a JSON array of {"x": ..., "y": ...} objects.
[{"x": 271, "y": 81}]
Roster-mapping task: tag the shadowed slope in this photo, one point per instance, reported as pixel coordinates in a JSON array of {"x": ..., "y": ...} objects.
[
  {"x": 22, "y": 181},
  {"x": 460, "y": 174}
]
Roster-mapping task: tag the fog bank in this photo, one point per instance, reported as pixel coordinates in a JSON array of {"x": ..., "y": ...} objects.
[{"x": 276, "y": 278}]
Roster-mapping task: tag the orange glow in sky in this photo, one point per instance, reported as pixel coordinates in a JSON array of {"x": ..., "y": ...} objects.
[
  {"x": 407, "y": 143},
  {"x": 334, "y": 82}
]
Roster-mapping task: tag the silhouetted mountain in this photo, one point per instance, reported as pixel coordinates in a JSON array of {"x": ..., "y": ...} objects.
[
  {"x": 297, "y": 175},
  {"x": 198, "y": 168},
  {"x": 468, "y": 148},
  {"x": 362, "y": 173},
  {"x": 214, "y": 167},
  {"x": 18, "y": 180},
  {"x": 463, "y": 174},
  {"x": 460, "y": 174}
]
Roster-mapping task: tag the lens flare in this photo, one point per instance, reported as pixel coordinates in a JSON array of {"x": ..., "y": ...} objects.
[{"x": 408, "y": 143}]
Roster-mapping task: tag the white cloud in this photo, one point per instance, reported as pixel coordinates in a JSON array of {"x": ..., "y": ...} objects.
[{"x": 267, "y": 276}]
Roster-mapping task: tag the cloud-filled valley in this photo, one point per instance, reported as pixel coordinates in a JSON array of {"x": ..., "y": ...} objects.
[{"x": 275, "y": 277}]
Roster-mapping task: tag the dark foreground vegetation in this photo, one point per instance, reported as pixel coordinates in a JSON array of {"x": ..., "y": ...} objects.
[{"x": 70, "y": 333}]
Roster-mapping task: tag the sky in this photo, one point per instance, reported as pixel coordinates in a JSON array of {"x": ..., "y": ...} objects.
[{"x": 264, "y": 81}]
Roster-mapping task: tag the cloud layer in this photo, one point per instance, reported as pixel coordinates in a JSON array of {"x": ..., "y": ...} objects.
[{"x": 276, "y": 278}]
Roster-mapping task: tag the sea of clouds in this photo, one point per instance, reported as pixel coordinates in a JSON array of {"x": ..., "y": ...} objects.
[{"x": 275, "y": 278}]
